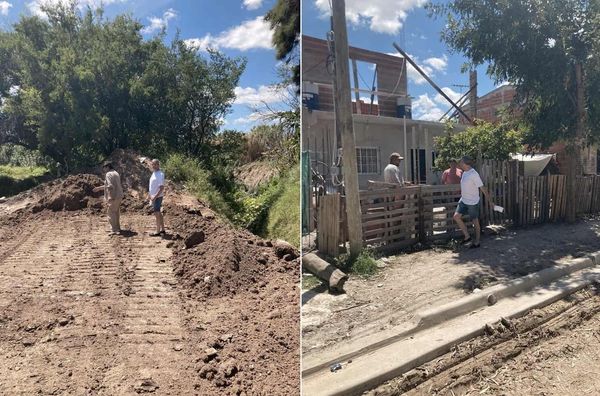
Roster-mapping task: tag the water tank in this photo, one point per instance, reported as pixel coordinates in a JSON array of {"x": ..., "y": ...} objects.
[
  {"x": 404, "y": 107},
  {"x": 310, "y": 95}
]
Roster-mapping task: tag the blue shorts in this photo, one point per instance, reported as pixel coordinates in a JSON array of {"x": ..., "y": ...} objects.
[
  {"x": 157, "y": 204},
  {"x": 471, "y": 210}
]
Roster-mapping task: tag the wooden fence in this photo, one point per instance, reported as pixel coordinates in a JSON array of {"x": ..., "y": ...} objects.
[{"x": 398, "y": 217}]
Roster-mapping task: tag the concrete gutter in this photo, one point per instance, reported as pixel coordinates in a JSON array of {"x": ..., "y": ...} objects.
[
  {"x": 434, "y": 316},
  {"x": 390, "y": 361}
]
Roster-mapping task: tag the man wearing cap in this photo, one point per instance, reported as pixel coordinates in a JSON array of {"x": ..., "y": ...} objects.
[
  {"x": 470, "y": 184},
  {"x": 113, "y": 194},
  {"x": 392, "y": 172}
]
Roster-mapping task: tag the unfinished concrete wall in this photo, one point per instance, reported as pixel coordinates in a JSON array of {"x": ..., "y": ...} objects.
[{"x": 391, "y": 74}]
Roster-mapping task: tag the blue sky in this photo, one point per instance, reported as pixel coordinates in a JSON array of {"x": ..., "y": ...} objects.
[
  {"x": 376, "y": 24},
  {"x": 233, "y": 26}
]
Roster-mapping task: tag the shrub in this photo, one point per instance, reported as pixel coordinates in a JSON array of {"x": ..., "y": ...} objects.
[
  {"x": 485, "y": 140},
  {"x": 364, "y": 264},
  {"x": 188, "y": 171}
]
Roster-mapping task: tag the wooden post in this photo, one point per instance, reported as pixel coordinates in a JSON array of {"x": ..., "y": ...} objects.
[
  {"x": 343, "y": 116},
  {"x": 574, "y": 150},
  {"x": 421, "y": 208},
  {"x": 405, "y": 152}
]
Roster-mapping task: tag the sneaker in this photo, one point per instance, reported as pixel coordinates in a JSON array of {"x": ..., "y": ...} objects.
[
  {"x": 154, "y": 234},
  {"x": 465, "y": 241}
]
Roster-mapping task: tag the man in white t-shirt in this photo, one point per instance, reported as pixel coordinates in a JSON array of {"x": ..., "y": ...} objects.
[
  {"x": 392, "y": 172},
  {"x": 156, "y": 192},
  {"x": 470, "y": 184}
]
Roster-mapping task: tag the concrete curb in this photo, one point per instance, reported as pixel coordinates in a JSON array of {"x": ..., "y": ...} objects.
[
  {"x": 470, "y": 303},
  {"x": 434, "y": 316},
  {"x": 369, "y": 370}
]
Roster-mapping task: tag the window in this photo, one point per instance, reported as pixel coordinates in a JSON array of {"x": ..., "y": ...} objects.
[{"x": 367, "y": 160}]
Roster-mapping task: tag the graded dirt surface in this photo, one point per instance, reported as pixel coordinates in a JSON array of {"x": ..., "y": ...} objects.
[
  {"x": 553, "y": 350},
  {"x": 410, "y": 282},
  {"x": 85, "y": 313}
]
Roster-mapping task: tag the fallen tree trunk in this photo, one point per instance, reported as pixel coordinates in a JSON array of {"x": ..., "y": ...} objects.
[{"x": 325, "y": 271}]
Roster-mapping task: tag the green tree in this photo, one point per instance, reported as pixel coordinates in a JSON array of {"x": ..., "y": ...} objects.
[
  {"x": 536, "y": 45},
  {"x": 482, "y": 141},
  {"x": 549, "y": 50},
  {"x": 88, "y": 85},
  {"x": 284, "y": 18}
]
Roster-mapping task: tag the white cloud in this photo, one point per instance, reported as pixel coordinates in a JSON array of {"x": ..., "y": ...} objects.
[
  {"x": 252, "y": 4},
  {"x": 157, "y": 24},
  {"x": 424, "y": 108},
  {"x": 438, "y": 64},
  {"x": 429, "y": 66},
  {"x": 249, "y": 119},
  {"x": 367, "y": 99},
  {"x": 252, "y": 96},
  {"x": 35, "y": 5},
  {"x": 4, "y": 6},
  {"x": 382, "y": 16},
  {"x": 455, "y": 96},
  {"x": 254, "y": 33}
]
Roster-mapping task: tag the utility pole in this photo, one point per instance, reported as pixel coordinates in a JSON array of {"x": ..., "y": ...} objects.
[
  {"x": 343, "y": 119},
  {"x": 473, "y": 94},
  {"x": 575, "y": 149}
]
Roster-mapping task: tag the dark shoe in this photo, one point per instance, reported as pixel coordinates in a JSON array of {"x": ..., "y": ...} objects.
[
  {"x": 465, "y": 241},
  {"x": 474, "y": 246},
  {"x": 163, "y": 233},
  {"x": 155, "y": 234}
]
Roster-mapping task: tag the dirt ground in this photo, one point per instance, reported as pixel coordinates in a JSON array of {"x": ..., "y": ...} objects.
[
  {"x": 85, "y": 313},
  {"x": 410, "y": 282},
  {"x": 554, "y": 350}
]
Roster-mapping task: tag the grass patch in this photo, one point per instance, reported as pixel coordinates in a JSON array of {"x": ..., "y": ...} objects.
[
  {"x": 364, "y": 264},
  {"x": 284, "y": 215},
  {"x": 309, "y": 281},
  {"x": 22, "y": 172}
]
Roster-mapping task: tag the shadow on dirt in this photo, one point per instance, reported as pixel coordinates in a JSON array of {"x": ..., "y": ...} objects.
[{"x": 517, "y": 252}]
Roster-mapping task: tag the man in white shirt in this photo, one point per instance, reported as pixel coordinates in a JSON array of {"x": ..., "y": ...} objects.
[
  {"x": 470, "y": 184},
  {"x": 156, "y": 192},
  {"x": 392, "y": 172}
]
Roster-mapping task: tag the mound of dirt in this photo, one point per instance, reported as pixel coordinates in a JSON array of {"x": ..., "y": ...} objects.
[
  {"x": 73, "y": 193},
  {"x": 227, "y": 261},
  {"x": 254, "y": 348},
  {"x": 134, "y": 170}
]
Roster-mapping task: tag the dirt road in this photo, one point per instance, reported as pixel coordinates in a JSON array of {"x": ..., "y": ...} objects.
[
  {"x": 411, "y": 282},
  {"x": 208, "y": 310},
  {"x": 554, "y": 350},
  {"x": 85, "y": 313}
]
